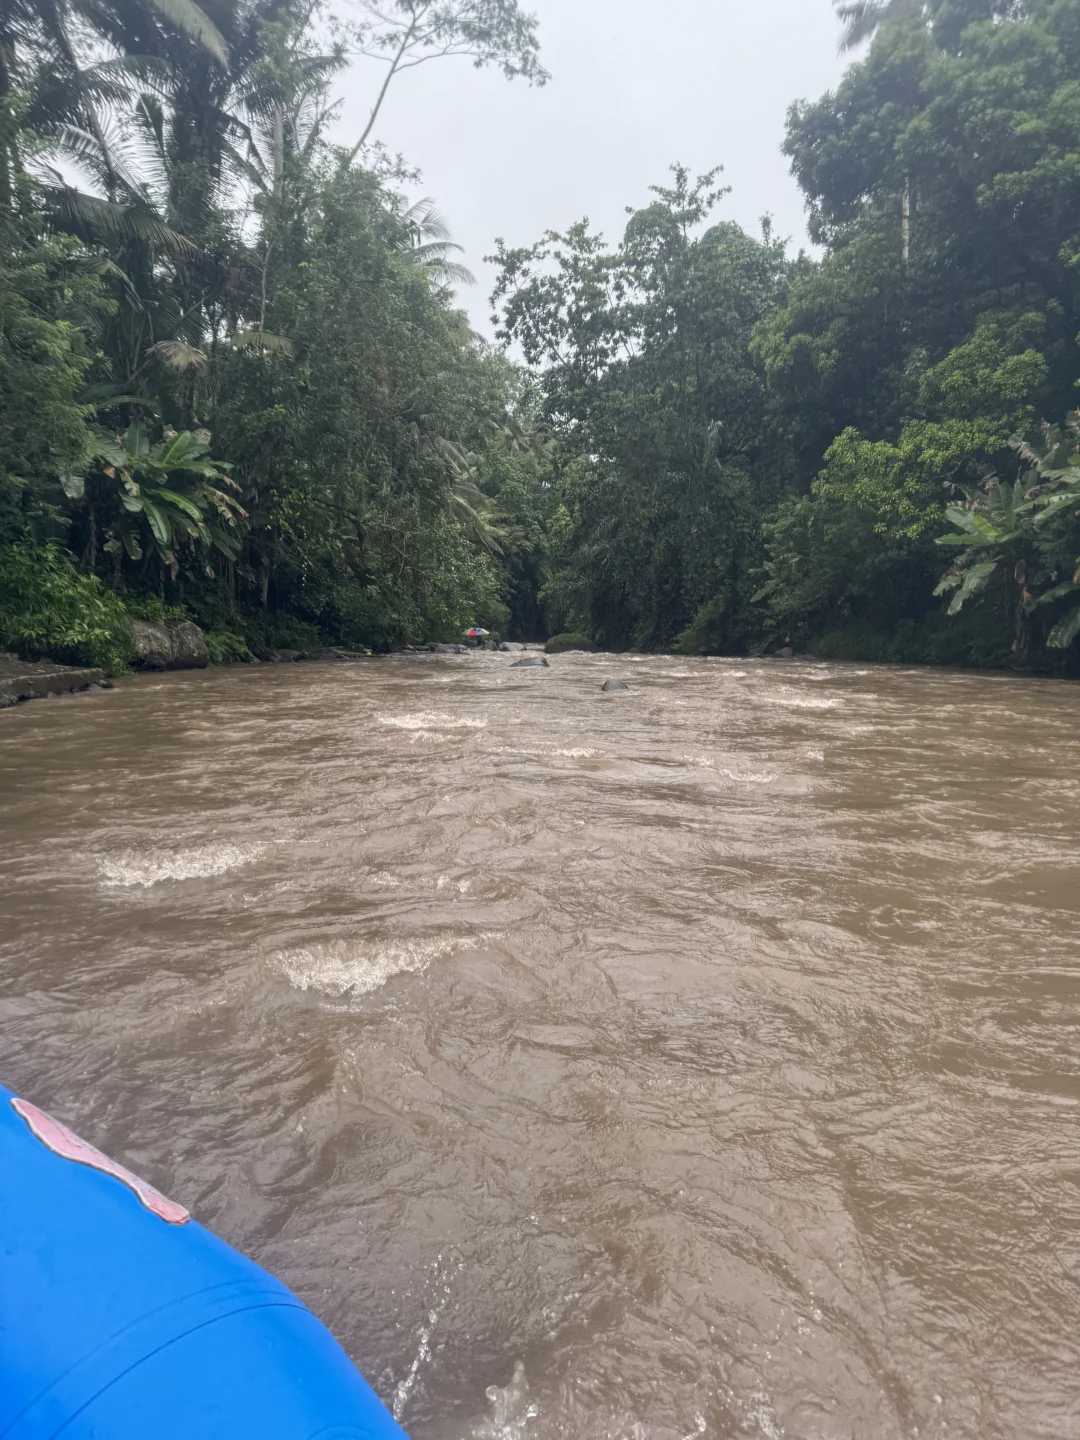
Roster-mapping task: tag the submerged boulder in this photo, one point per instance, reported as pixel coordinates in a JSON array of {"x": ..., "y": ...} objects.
[
  {"x": 610, "y": 685},
  {"x": 534, "y": 662}
]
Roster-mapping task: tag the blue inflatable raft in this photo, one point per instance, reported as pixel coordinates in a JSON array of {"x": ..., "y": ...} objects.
[{"x": 123, "y": 1319}]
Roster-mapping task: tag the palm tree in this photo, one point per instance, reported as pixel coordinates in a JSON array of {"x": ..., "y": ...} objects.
[
  {"x": 64, "y": 102},
  {"x": 862, "y": 19},
  {"x": 425, "y": 240}
]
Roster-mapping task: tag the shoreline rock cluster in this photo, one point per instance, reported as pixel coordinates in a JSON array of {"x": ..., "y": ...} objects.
[
  {"x": 37, "y": 679},
  {"x": 181, "y": 645}
]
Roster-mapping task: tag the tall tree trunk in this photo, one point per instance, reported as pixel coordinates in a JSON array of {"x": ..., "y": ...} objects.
[
  {"x": 7, "y": 121},
  {"x": 905, "y": 220}
]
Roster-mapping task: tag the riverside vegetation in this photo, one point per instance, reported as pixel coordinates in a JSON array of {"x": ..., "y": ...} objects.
[{"x": 234, "y": 386}]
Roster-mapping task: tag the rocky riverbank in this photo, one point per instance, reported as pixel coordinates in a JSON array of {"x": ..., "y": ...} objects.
[
  {"x": 35, "y": 679},
  {"x": 178, "y": 646}
]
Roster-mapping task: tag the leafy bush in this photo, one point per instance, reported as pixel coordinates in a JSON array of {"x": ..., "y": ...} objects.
[
  {"x": 226, "y": 647},
  {"x": 569, "y": 640},
  {"x": 707, "y": 631},
  {"x": 48, "y": 607},
  {"x": 973, "y": 641},
  {"x": 50, "y": 300},
  {"x": 493, "y": 614},
  {"x": 373, "y": 616},
  {"x": 150, "y": 607},
  {"x": 1019, "y": 539},
  {"x": 277, "y": 632}
]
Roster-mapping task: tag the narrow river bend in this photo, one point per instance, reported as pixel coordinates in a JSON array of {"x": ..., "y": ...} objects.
[{"x": 702, "y": 1060}]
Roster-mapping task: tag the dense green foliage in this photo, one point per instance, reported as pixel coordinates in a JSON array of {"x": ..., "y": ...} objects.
[
  {"x": 1018, "y": 543},
  {"x": 648, "y": 376},
  {"x": 758, "y": 448},
  {"x": 233, "y": 380},
  {"x": 48, "y": 607}
]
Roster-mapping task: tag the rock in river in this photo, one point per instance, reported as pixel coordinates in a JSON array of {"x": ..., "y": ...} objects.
[
  {"x": 609, "y": 685},
  {"x": 534, "y": 662},
  {"x": 35, "y": 679},
  {"x": 178, "y": 645}
]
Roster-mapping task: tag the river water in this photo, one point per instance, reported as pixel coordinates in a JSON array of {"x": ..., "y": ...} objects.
[{"x": 701, "y": 1060}]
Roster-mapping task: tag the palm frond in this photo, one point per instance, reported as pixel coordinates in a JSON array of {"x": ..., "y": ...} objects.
[
  {"x": 148, "y": 135},
  {"x": 95, "y": 219},
  {"x": 178, "y": 355},
  {"x": 449, "y": 272},
  {"x": 862, "y": 19},
  {"x": 191, "y": 20},
  {"x": 262, "y": 340},
  {"x": 251, "y": 166},
  {"x": 424, "y": 218},
  {"x": 102, "y": 155}
]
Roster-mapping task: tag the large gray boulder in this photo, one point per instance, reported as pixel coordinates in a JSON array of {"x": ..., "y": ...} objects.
[
  {"x": 177, "y": 645},
  {"x": 610, "y": 685},
  {"x": 153, "y": 645},
  {"x": 189, "y": 647}
]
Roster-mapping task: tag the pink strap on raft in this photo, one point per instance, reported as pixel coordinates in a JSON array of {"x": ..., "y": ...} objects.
[{"x": 66, "y": 1143}]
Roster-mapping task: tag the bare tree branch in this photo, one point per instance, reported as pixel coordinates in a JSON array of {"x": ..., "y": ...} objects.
[{"x": 488, "y": 32}]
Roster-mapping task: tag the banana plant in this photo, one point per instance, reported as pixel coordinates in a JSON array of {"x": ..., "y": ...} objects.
[
  {"x": 1031, "y": 528},
  {"x": 174, "y": 500}
]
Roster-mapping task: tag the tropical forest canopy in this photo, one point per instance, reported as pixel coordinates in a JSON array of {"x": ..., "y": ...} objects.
[{"x": 235, "y": 386}]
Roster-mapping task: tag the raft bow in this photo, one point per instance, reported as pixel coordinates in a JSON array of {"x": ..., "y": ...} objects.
[{"x": 121, "y": 1318}]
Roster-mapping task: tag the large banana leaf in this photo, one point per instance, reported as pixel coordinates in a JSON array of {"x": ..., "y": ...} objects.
[
  {"x": 975, "y": 580},
  {"x": 181, "y": 502},
  {"x": 1065, "y": 631},
  {"x": 158, "y": 522}
]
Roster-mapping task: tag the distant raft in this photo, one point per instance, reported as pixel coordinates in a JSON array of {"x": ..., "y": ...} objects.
[{"x": 121, "y": 1318}]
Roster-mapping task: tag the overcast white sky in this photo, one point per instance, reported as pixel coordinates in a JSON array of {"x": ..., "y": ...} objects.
[{"x": 636, "y": 85}]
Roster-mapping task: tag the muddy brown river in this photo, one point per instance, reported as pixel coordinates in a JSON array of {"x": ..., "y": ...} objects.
[{"x": 702, "y": 1060}]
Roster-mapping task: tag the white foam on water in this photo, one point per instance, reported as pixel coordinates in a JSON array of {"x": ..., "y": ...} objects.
[
  {"x": 447, "y": 882},
  {"x": 383, "y": 880},
  {"x": 749, "y": 777},
  {"x": 356, "y": 967},
  {"x": 760, "y": 1413},
  {"x": 433, "y": 720},
  {"x": 141, "y": 868},
  {"x": 511, "y": 1410},
  {"x": 580, "y": 752},
  {"x": 801, "y": 702},
  {"x": 442, "y": 1275},
  {"x": 405, "y": 1387}
]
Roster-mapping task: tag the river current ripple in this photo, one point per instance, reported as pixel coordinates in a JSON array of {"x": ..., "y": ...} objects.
[{"x": 700, "y": 1060}]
